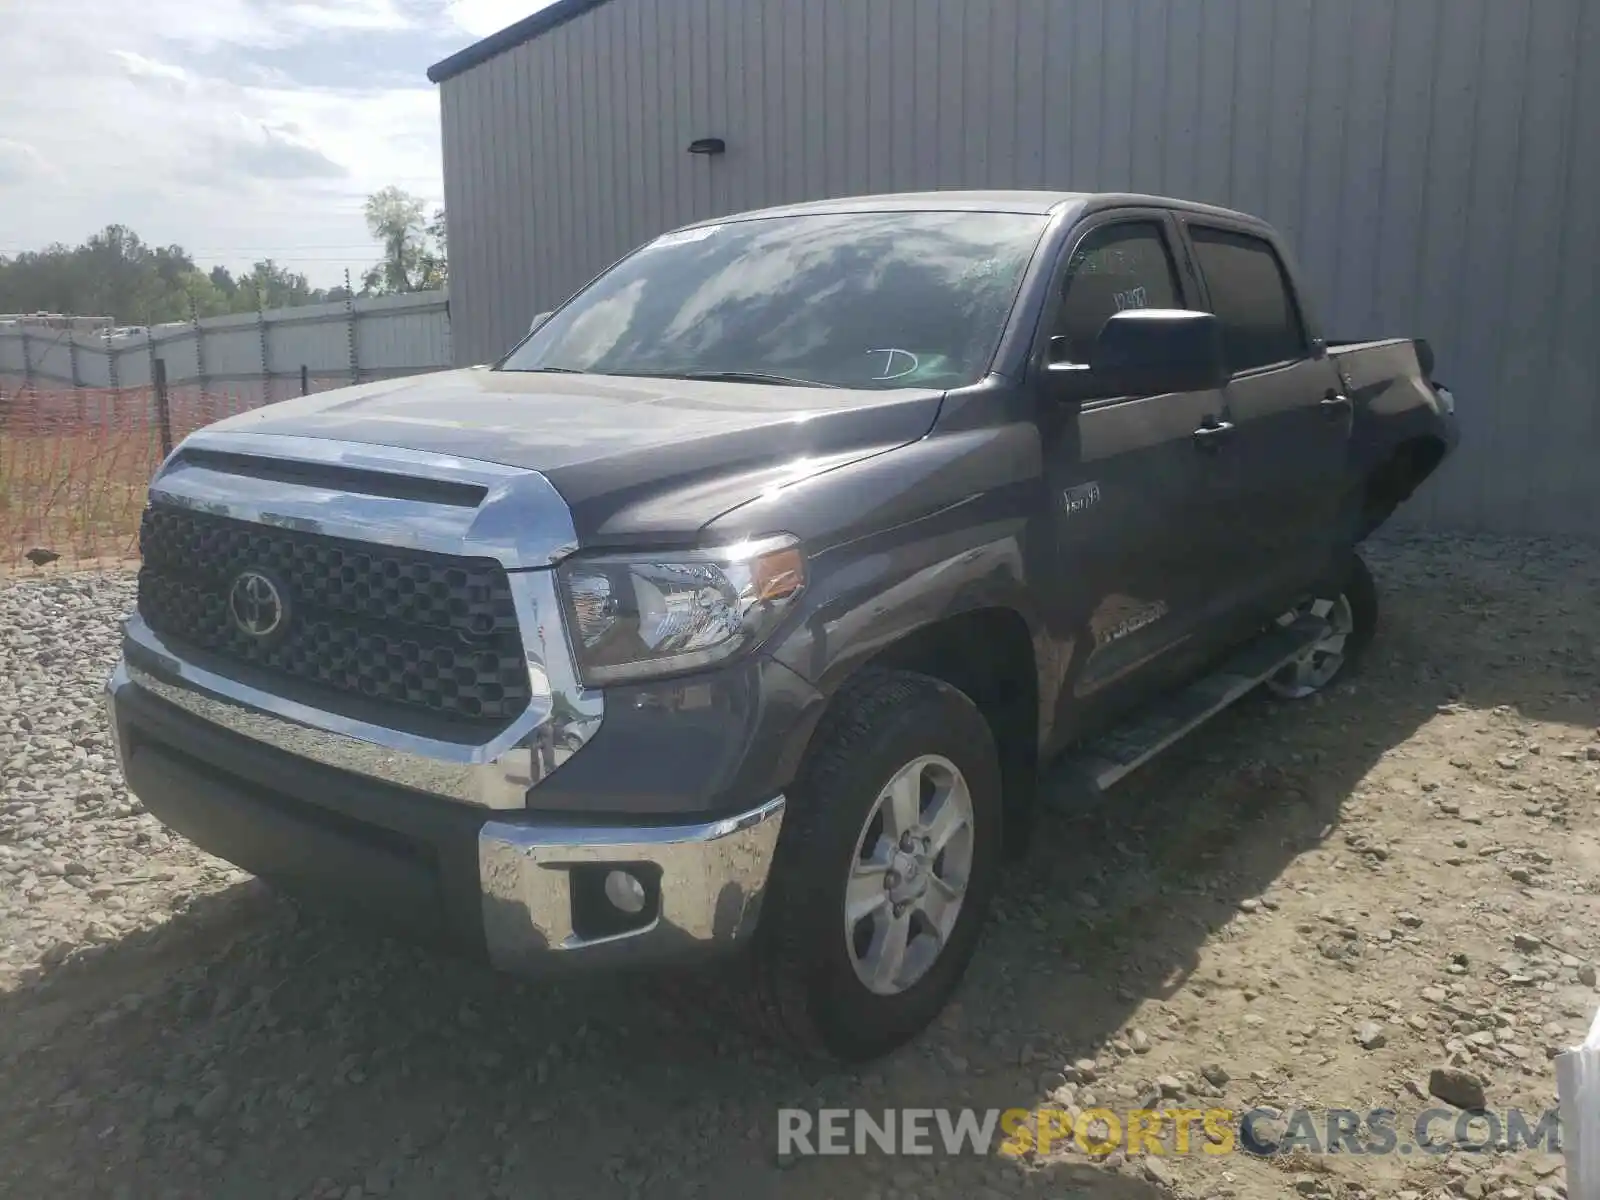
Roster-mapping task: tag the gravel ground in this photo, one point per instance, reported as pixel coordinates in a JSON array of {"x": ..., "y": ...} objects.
[{"x": 1315, "y": 904}]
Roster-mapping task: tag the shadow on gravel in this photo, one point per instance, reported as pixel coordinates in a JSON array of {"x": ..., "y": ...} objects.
[{"x": 249, "y": 1050}]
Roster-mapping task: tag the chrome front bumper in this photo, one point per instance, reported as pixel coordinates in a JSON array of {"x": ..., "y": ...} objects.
[
  {"x": 705, "y": 880},
  {"x": 708, "y": 881}
]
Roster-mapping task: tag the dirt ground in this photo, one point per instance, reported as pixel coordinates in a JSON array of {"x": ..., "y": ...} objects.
[{"x": 1306, "y": 905}]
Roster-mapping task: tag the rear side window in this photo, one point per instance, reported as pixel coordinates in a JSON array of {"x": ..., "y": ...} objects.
[
  {"x": 1250, "y": 295},
  {"x": 1115, "y": 267}
]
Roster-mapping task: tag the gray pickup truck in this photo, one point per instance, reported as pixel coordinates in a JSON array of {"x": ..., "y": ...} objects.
[{"x": 740, "y": 605}]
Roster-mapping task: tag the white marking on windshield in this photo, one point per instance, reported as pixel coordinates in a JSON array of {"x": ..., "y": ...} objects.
[{"x": 888, "y": 363}]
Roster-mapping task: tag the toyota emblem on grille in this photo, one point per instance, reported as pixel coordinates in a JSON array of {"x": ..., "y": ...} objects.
[{"x": 256, "y": 605}]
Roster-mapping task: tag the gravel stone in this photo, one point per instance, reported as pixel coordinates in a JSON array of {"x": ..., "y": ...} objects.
[
  {"x": 169, "y": 1029},
  {"x": 1458, "y": 1087},
  {"x": 212, "y": 1105},
  {"x": 1158, "y": 1173},
  {"x": 1370, "y": 1036}
]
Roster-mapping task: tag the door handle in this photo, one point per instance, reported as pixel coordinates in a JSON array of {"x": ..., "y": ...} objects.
[
  {"x": 1209, "y": 435},
  {"x": 1335, "y": 405}
]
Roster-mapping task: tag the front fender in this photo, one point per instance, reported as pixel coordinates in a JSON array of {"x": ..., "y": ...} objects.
[
  {"x": 903, "y": 540},
  {"x": 862, "y": 607}
]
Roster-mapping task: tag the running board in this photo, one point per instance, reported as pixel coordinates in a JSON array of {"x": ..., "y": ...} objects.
[{"x": 1113, "y": 755}]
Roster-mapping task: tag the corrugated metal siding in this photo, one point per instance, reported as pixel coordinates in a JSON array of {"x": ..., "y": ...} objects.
[{"x": 1436, "y": 163}]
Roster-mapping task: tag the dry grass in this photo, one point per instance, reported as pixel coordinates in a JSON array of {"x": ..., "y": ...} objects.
[
  {"x": 74, "y": 468},
  {"x": 77, "y": 494}
]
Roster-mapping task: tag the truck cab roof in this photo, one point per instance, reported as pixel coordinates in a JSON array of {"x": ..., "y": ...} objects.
[{"x": 1043, "y": 203}]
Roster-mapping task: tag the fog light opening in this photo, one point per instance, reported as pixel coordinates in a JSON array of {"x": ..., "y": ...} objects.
[{"x": 626, "y": 893}]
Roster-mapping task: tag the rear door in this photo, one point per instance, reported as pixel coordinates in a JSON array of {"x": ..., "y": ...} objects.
[
  {"x": 1135, "y": 523},
  {"x": 1291, "y": 419}
]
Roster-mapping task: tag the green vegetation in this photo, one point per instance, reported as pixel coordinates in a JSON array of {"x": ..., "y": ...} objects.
[{"x": 115, "y": 273}]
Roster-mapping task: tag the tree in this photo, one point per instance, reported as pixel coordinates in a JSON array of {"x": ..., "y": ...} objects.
[
  {"x": 222, "y": 279},
  {"x": 205, "y": 298},
  {"x": 413, "y": 250},
  {"x": 435, "y": 266},
  {"x": 115, "y": 274},
  {"x": 270, "y": 286},
  {"x": 394, "y": 217}
]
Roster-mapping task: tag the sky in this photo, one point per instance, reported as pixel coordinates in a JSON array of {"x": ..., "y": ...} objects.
[{"x": 238, "y": 129}]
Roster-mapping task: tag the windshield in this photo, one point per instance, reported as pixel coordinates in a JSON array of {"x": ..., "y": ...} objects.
[{"x": 861, "y": 300}]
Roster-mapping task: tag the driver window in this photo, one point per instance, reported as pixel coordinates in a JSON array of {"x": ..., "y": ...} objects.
[{"x": 1115, "y": 267}]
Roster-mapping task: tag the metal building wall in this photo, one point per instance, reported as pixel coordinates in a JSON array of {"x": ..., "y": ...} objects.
[{"x": 1435, "y": 162}]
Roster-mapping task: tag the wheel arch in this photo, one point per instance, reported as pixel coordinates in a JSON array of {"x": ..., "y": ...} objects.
[
  {"x": 1395, "y": 478},
  {"x": 988, "y": 654}
]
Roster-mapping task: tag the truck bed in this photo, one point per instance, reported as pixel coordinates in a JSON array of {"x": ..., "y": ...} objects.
[{"x": 1402, "y": 427}]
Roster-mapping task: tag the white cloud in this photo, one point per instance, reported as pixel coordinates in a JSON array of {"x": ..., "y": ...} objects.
[
  {"x": 140, "y": 67},
  {"x": 19, "y": 162},
  {"x": 480, "y": 18},
  {"x": 169, "y": 122},
  {"x": 351, "y": 14}
]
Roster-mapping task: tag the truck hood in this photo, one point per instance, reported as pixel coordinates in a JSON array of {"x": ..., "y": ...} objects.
[{"x": 633, "y": 458}]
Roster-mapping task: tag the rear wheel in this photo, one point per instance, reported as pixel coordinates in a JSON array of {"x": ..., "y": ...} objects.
[
  {"x": 1348, "y": 601},
  {"x": 885, "y": 869}
]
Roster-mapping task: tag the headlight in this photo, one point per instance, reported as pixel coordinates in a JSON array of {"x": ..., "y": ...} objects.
[{"x": 638, "y": 616}]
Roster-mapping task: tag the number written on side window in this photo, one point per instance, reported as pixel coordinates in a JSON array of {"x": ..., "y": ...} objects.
[
  {"x": 1114, "y": 268},
  {"x": 1250, "y": 295}
]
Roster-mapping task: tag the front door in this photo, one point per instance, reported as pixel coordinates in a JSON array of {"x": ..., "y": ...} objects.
[
  {"x": 1291, "y": 421},
  {"x": 1131, "y": 485}
]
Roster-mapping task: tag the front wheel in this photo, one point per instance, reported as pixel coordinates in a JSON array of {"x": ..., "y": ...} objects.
[
  {"x": 1348, "y": 601},
  {"x": 885, "y": 869}
]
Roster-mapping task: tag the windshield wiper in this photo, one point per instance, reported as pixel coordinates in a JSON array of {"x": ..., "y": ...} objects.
[
  {"x": 544, "y": 370},
  {"x": 731, "y": 377}
]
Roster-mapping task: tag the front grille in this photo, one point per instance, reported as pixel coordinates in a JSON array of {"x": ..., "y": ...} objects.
[{"x": 426, "y": 632}]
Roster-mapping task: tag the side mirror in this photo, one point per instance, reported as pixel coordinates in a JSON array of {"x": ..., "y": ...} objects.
[
  {"x": 1148, "y": 352},
  {"x": 538, "y": 321}
]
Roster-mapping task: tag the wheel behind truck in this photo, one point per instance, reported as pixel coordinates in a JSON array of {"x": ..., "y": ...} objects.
[
  {"x": 1348, "y": 600},
  {"x": 885, "y": 870}
]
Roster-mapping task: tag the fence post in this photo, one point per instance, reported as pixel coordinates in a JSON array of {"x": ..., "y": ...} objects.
[
  {"x": 350, "y": 328},
  {"x": 150, "y": 352},
  {"x": 77, "y": 380},
  {"x": 27, "y": 362},
  {"x": 152, "y": 367},
  {"x": 199, "y": 344},
  {"x": 266, "y": 372},
  {"x": 158, "y": 379},
  {"x": 305, "y": 380}
]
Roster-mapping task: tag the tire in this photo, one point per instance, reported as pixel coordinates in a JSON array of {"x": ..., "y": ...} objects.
[
  {"x": 1347, "y": 597},
  {"x": 809, "y": 988}
]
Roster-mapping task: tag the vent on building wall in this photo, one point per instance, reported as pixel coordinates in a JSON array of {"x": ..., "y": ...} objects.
[{"x": 708, "y": 146}]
